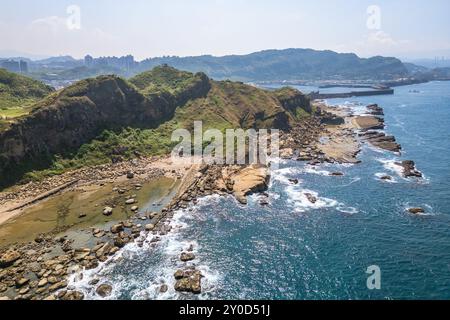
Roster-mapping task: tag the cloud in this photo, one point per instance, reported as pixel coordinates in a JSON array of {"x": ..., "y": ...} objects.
[
  {"x": 380, "y": 38},
  {"x": 54, "y": 35}
]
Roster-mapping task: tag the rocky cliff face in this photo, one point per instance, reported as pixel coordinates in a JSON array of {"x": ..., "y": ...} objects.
[{"x": 80, "y": 112}]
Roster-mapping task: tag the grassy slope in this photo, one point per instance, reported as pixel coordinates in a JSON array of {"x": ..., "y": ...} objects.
[
  {"x": 19, "y": 91},
  {"x": 17, "y": 95},
  {"x": 226, "y": 106}
]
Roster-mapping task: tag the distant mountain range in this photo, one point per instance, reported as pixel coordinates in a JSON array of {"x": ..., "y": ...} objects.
[
  {"x": 289, "y": 64},
  {"x": 263, "y": 66}
]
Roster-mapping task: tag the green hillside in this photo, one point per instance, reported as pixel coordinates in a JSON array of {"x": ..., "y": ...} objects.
[{"x": 109, "y": 119}]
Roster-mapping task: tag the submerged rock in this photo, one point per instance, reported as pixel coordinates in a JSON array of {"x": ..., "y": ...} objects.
[
  {"x": 416, "y": 210},
  {"x": 104, "y": 290},
  {"x": 311, "y": 198}
]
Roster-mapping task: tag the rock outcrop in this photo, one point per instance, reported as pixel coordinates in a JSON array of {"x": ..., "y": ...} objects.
[{"x": 409, "y": 169}]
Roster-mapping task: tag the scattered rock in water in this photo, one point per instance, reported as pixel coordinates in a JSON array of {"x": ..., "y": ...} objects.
[
  {"x": 375, "y": 110},
  {"x": 416, "y": 210},
  {"x": 164, "y": 288},
  {"x": 134, "y": 208},
  {"x": 108, "y": 211},
  {"x": 117, "y": 228},
  {"x": 104, "y": 290},
  {"x": 386, "y": 178},
  {"x": 187, "y": 256},
  {"x": 189, "y": 281},
  {"x": 119, "y": 242},
  {"x": 311, "y": 198},
  {"x": 409, "y": 169},
  {"x": 93, "y": 282},
  {"x": 179, "y": 274},
  {"x": 294, "y": 181},
  {"x": 150, "y": 227},
  {"x": 382, "y": 141},
  {"x": 264, "y": 202},
  {"x": 336, "y": 174}
]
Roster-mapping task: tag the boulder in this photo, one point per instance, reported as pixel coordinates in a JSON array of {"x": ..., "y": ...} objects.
[
  {"x": 187, "y": 256},
  {"x": 73, "y": 296},
  {"x": 130, "y": 201},
  {"x": 8, "y": 258},
  {"x": 164, "y": 288},
  {"x": 409, "y": 169},
  {"x": 117, "y": 228},
  {"x": 107, "y": 211},
  {"x": 311, "y": 198},
  {"x": 416, "y": 210},
  {"x": 21, "y": 282},
  {"x": 104, "y": 290}
]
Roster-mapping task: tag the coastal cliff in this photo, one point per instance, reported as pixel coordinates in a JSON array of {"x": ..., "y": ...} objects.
[{"x": 150, "y": 106}]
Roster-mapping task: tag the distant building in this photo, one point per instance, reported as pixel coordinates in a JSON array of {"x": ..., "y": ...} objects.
[
  {"x": 88, "y": 60},
  {"x": 11, "y": 65},
  {"x": 23, "y": 66},
  {"x": 15, "y": 66}
]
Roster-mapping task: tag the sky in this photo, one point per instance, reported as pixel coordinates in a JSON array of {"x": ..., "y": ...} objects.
[{"x": 149, "y": 28}]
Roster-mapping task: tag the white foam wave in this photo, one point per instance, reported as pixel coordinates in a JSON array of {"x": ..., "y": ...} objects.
[{"x": 169, "y": 247}]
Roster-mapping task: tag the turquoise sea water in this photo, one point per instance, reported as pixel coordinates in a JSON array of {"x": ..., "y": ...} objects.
[{"x": 295, "y": 250}]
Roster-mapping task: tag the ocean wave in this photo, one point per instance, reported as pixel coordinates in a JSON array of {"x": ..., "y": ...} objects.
[
  {"x": 392, "y": 166},
  {"x": 166, "y": 251}
]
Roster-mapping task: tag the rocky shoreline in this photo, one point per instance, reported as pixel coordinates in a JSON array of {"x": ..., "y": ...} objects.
[{"x": 40, "y": 269}]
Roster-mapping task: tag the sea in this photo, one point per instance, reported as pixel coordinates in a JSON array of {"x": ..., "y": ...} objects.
[{"x": 295, "y": 250}]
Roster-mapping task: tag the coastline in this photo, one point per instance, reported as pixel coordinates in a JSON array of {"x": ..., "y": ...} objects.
[{"x": 331, "y": 136}]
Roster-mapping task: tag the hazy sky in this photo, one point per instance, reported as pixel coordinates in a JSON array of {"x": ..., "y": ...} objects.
[{"x": 147, "y": 28}]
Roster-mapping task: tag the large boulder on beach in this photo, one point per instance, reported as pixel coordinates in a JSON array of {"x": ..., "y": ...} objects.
[{"x": 251, "y": 179}]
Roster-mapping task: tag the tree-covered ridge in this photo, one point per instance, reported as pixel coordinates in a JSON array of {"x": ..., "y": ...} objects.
[{"x": 289, "y": 64}]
